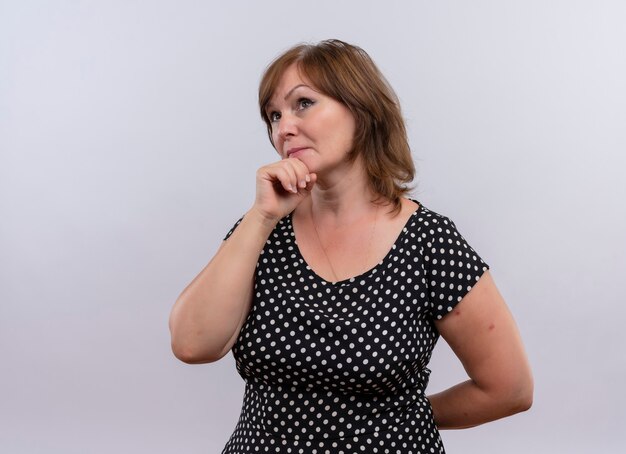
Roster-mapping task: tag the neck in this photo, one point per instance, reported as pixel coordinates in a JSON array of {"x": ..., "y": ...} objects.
[{"x": 343, "y": 198}]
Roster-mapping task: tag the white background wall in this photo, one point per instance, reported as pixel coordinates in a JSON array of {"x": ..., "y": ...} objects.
[{"x": 129, "y": 141}]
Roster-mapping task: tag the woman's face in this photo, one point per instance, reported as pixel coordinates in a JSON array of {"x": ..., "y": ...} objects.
[{"x": 308, "y": 125}]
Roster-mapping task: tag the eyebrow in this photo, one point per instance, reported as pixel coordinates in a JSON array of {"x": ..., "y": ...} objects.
[
  {"x": 294, "y": 89},
  {"x": 269, "y": 104}
]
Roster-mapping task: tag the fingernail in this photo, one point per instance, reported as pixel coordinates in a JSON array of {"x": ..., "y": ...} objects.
[
  {"x": 303, "y": 184},
  {"x": 290, "y": 188},
  {"x": 308, "y": 179}
]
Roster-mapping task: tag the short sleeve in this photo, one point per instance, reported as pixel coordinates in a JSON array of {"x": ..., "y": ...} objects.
[
  {"x": 230, "y": 232},
  {"x": 452, "y": 266}
]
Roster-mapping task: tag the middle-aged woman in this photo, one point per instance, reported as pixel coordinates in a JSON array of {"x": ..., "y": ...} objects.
[{"x": 334, "y": 287}]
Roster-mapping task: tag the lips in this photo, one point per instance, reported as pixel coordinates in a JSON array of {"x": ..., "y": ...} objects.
[{"x": 294, "y": 150}]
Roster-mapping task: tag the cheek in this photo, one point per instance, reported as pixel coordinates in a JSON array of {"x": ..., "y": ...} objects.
[
  {"x": 275, "y": 140},
  {"x": 338, "y": 126},
  {"x": 345, "y": 128},
  {"x": 350, "y": 129}
]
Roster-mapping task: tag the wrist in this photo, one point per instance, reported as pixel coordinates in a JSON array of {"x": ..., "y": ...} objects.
[{"x": 257, "y": 216}]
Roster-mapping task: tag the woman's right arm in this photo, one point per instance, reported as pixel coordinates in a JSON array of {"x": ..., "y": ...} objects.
[{"x": 208, "y": 314}]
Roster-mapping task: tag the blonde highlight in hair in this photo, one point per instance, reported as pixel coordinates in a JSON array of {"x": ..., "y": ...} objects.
[{"x": 347, "y": 74}]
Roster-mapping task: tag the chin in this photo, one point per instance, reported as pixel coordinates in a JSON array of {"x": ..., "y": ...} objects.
[{"x": 308, "y": 162}]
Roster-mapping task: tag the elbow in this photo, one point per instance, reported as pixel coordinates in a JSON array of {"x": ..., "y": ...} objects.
[
  {"x": 188, "y": 349},
  {"x": 527, "y": 391},
  {"x": 509, "y": 395},
  {"x": 525, "y": 398},
  {"x": 182, "y": 353},
  {"x": 521, "y": 403},
  {"x": 520, "y": 396},
  {"x": 197, "y": 346},
  {"x": 193, "y": 356},
  {"x": 192, "y": 350}
]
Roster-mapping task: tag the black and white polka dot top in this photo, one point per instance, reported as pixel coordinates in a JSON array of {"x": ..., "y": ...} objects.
[{"x": 341, "y": 367}]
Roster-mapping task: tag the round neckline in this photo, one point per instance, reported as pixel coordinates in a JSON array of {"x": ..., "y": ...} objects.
[{"x": 366, "y": 273}]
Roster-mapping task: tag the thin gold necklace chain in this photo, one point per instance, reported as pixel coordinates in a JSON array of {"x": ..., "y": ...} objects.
[{"x": 369, "y": 245}]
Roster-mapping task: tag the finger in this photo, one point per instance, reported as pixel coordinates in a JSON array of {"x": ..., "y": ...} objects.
[
  {"x": 300, "y": 165},
  {"x": 312, "y": 179},
  {"x": 288, "y": 178},
  {"x": 278, "y": 176},
  {"x": 298, "y": 172},
  {"x": 301, "y": 171}
]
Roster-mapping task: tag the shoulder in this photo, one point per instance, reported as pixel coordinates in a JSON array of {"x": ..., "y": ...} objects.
[
  {"x": 426, "y": 224},
  {"x": 440, "y": 241}
]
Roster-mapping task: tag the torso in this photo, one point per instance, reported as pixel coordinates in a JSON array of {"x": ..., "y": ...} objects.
[
  {"x": 354, "y": 250},
  {"x": 342, "y": 366}
]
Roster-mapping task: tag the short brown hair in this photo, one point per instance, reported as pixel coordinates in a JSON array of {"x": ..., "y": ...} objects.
[{"x": 347, "y": 74}]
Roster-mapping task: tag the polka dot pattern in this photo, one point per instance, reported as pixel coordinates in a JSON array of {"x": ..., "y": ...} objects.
[{"x": 341, "y": 367}]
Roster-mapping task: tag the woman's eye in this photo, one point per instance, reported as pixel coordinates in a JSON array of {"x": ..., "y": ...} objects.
[
  {"x": 303, "y": 103},
  {"x": 274, "y": 116}
]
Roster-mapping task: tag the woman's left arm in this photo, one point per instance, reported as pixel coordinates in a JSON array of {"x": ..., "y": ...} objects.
[{"x": 483, "y": 335}]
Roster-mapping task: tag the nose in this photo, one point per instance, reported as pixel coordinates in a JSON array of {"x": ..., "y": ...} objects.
[{"x": 287, "y": 127}]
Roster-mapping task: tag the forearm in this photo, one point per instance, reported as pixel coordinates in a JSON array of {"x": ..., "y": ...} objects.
[
  {"x": 467, "y": 405},
  {"x": 208, "y": 312}
]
